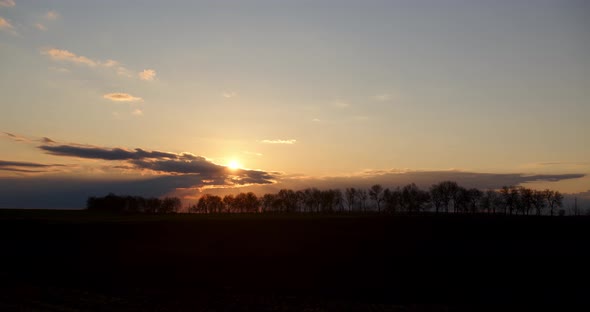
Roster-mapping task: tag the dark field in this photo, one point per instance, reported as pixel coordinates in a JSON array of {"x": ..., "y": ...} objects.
[{"x": 75, "y": 260}]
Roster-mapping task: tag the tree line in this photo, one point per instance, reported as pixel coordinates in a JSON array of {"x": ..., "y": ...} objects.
[
  {"x": 134, "y": 204},
  {"x": 443, "y": 197}
]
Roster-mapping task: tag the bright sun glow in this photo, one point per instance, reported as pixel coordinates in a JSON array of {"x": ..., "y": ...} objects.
[{"x": 233, "y": 165}]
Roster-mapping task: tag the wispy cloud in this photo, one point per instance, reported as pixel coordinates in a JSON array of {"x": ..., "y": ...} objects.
[
  {"x": 116, "y": 66},
  {"x": 340, "y": 104},
  {"x": 67, "y": 56},
  {"x": 147, "y": 74},
  {"x": 17, "y": 138},
  {"x": 121, "y": 97},
  {"x": 41, "y": 27},
  {"x": 137, "y": 112},
  {"x": 51, "y": 15},
  {"x": 252, "y": 153},
  {"x": 110, "y": 63},
  {"x": 5, "y": 25},
  {"x": 229, "y": 94},
  {"x": 279, "y": 141},
  {"x": 382, "y": 97},
  {"x": 27, "y": 167},
  {"x": 563, "y": 163},
  {"x": 7, "y": 3}
]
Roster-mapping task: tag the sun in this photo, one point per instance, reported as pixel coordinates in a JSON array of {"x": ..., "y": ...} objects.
[{"x": 233, "y": 165}]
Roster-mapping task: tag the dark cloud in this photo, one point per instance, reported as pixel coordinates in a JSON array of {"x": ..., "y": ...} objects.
[
  {"x": 206, "y": 170},
  {"x": 71, "y": 193},
  {"x": 53, "y": 192},
  {"x": 563, "y": 163},
  {"x": 93, "y": 152},
  {"x": 163, "y": 162},
  {"x": 393, "y": 178},
  {"x": 198, "y": 165},
  {"x": 16, "y": 138},
  {"x": 19, "y": 166},
  {"x": 46, "y": 140}
]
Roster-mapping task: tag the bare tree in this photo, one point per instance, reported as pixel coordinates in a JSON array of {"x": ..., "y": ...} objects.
[
  {"x": 362, "y": 195},
  {"x": 349, "y": 197},
  {"x": 554, "y": 200},
  {"x": 392, "y": 200},
  {"x": 538, "y": 201},
  {"x": 526, "y": 200},
  {"x": 375, "y": 193},
  {"x": 436, "y": 196},
  {"x": 413, "y": 199},
  {"x": 229, "y": 203}
]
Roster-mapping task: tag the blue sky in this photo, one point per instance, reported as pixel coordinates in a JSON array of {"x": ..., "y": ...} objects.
[{"x": 300, "y": 88}]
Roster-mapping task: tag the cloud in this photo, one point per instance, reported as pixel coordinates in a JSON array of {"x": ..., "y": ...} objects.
[
  {"x": 28, "y": 167},
  {"x": 67, "y": 56},
  {"x": 17, "y": 138},
  {"x": 5, "y": 24},
  {"x": 252, "y": 153},
  {"x": 382, "y": 97},
  {"x": 110, "y": 63},
  {"x": 563, "y": 163},
  {"x": 147, "y": 74},
  {"x": 316, "y": 120},
  {"x": 95, "y": 152},
  {"x": 137, "y": 112},
  {"x": 163, "y": 162},
  {"x": 229, "y": 94},
  {"x": 193, "y": 171},
  {"x": 424, "y": 179},
  {"x": 340, "y": 104},
  {"x": 279, "y": 141},
  {"x": 117, "y": 67},
  {"x": 7, "y": 3},
  {"x": 51, "y": 15},
  {"x": 46, "y": 140},
  {"x": 121, "y": 97},
  {"x": 41, "y": 27}
]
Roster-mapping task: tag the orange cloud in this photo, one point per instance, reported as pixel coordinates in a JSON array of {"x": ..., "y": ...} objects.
[
  {"x": 291, "y": 141},
  {"x": 5, "y": 24},
  {"x": 67, "y": 56},
  {"x": 51, "y": 15},
  {"x": 121, "y": 97},
  {"x": 147, "y": 74},
  {"x": 7, "y": 3},
  {"x": 41, "y": 27}
]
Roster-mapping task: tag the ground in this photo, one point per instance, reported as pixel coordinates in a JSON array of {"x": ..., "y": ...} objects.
[{"x": 79, "y": 261}]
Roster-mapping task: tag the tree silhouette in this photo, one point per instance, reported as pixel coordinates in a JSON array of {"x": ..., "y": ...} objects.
[
  {"x": 554, "y": 200},
  {"x": 437, "y": 197},
  {"x": 526, "y": 200},
  {"x": 375, "y": 193},
  {"x": 350, "y": 197},
  {"x": 362, "y": 196},
  {"x": 392, "y": 199},
  {"x": 538, "y": 201},
  {"x": 413, "y": 199}
]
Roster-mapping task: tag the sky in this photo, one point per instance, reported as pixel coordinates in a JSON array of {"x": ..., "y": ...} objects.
[{"x": 180, "y": 98}]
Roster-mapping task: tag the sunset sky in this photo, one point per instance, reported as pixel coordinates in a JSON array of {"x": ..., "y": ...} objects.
[{"x": 170, "y": 97}]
